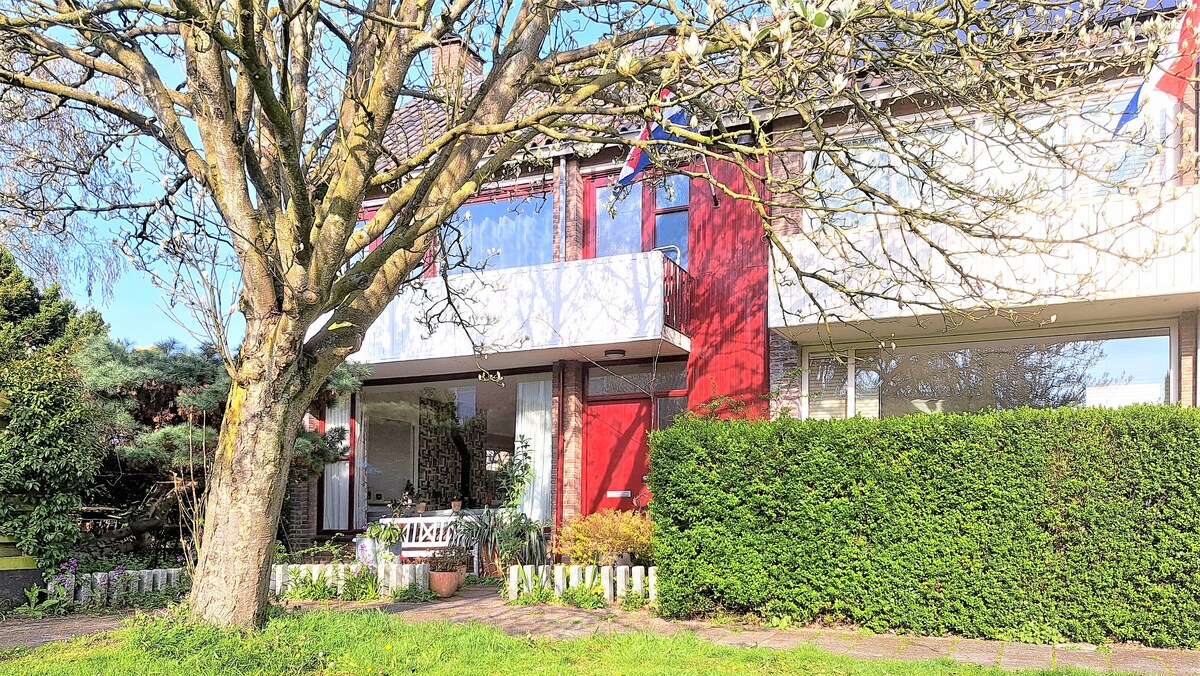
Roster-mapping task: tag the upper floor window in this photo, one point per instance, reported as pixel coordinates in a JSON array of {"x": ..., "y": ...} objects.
[
  {"x": 649, "y": 215},
  {"x": 858, "y": 181},
  {"x": 503, "y": 232}
]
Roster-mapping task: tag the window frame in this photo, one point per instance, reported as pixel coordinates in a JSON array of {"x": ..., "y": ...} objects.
[
  {"x": 649, "y": 210},
  {"x": 1167, "y": 329}
]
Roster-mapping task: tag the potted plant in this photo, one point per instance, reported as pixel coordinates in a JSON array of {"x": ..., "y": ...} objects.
[
  {"x": 503, "y": 537},
  {"x": 456, "y": 504},
  {"x": 448, "y": 570},
  {"x": 377, "y": 539}
]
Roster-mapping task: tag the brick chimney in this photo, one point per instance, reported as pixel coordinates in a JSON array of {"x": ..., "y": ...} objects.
[{"x": 453, "y": 58}]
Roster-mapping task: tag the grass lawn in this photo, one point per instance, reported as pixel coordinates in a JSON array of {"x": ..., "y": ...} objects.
[{"x": 374, "y": 643}]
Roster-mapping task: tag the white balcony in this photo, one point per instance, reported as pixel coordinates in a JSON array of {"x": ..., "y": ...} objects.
[
  {"x": 533, "y": 316},
  {"x": 1141, "y": 261}
]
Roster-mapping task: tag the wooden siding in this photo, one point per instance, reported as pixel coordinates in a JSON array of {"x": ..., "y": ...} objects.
[{"x": 728, "y": 324}]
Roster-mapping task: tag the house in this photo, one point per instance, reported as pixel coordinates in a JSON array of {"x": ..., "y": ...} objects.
[{"x": 598, "y": 314}]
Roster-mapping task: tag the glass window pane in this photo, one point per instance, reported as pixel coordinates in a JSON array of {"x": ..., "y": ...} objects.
[
  {"x": 671, "y": 235},
  {"x": 866, "y": 383},
  {"x": 502, "y": 234},
  {"x": 618, "y": 222},
  {"x": 636, "y": 379},
  {"x": 668, "y": 409},
  {"x": 1045, "y": 373},
  {"x": 827, "y": 388},
  {"x": 443, "y": 440},
  {"x": 674, "y": 192}
]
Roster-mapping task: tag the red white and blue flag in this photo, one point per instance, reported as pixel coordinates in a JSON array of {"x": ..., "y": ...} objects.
[
  {"x": 638, "y": 159},
  {"x": 1168, "y": 78}
]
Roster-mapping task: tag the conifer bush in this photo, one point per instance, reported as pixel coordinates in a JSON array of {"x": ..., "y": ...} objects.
[{"x": 1036, "y": 525}]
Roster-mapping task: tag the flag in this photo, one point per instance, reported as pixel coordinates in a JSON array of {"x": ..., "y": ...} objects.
[
  {"x": 638, "y": 159},
  {"x": 1171, "y": 70}
]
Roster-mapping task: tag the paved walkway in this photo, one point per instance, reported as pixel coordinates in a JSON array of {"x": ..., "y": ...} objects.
[
  {"x": 25, "y": 633},
  {"x": 482, "y": 604}
]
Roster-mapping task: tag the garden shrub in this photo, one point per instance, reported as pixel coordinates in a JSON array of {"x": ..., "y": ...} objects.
[
  {"x": 310, "y": 586},
  {"x": 361, "y": 586},
  {"x": 1041, "y": 525},
  {"x": 633, "y": 601},
  {"x": 587, "y": 597},
  {"x": 601, "y": 537},
  {"x": 413, "y": 593}
]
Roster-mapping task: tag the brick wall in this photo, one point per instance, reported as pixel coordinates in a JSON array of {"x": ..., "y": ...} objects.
[
  {"x": 784, "y": 363},
  {"x": 574, "y": 225},
  {"x": 300, "y": 511},
  {"x": 572, "y": 488},
  {"x": 1187, "y": 358},
  {"x": 300, "y": 517}
]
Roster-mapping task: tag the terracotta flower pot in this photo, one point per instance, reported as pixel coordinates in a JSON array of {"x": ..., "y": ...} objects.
[
  {"x": 462, "y": 576},
  {"x": 444, "y": 584},
  {"x": 456, "y": 506}
]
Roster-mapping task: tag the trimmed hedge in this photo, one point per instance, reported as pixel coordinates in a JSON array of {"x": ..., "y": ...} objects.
[{"x": 1033, "y": 525}]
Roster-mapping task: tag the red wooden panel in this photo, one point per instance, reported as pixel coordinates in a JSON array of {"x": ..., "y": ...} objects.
[
  {"x": 614, "y": 453},
  {"x": 728, "y": 323}
]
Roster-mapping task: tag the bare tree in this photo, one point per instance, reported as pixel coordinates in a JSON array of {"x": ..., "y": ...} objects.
[{"x": 266, "y": 123}]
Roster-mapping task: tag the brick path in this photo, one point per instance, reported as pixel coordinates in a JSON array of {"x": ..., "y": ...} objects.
[{"x": 560, "y": 622}]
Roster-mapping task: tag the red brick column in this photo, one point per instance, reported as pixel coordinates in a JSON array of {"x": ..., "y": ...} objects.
[
  {"x": 1187, "y": 358},
  {"x": 574, "y": 225},
  {"x": 572, "y": 431}
]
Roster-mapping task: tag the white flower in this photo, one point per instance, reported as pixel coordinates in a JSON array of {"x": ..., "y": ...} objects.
[
  {"x": 846, "y": 8},
  {"x": 625, "y": 63},
  {"x": 693, "y": 48},
  {"x": 838, "y": 83}
]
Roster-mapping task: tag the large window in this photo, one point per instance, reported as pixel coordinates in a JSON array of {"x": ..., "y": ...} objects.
[
  {"x": 861, "y": 180},
  {"x": 649, "y": 215},
  {"x": 449, "y": 439},
  {"x": 1090, "y": 370},
  {"x": 501, "y": 233}
]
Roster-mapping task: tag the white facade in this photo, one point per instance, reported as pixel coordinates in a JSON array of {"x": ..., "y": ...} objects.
[
  {"x": 533, "y": 315},
  {"x": 1141, "y": 251}
]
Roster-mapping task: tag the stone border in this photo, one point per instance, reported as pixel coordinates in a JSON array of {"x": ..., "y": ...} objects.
[
  {"x": 390, "y": 575},
  {"x": 614, "y": 581}
]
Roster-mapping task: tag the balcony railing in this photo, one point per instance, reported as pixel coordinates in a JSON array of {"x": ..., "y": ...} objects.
[{"x": 677, "y": 296}]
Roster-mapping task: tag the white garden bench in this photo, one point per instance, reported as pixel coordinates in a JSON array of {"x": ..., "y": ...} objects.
[{"x": 424, "y": 535}]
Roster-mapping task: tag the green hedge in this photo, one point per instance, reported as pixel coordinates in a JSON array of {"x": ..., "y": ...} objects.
[{"x": 1035, "y": 525}]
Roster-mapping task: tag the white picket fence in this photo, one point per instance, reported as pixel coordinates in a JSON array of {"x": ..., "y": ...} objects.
[
  {"x": 104, "y": 589},
  {"x": 391, "y": 575},
  {"x": 614, "y": 581}
]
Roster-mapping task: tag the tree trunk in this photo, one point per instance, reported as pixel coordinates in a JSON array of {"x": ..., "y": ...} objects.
[{"x": 245, "y": 495}]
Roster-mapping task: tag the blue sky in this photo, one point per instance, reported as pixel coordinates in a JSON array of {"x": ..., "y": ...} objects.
[{"x": 136, "y": 312}]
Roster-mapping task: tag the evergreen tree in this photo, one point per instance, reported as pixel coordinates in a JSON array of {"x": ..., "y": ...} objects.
[
  {"x": 161, "y": 410},
  {"x": 49, "y": 436}
]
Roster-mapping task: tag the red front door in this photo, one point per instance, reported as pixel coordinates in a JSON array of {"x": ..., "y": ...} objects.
[{"x": 615, "y": 453}]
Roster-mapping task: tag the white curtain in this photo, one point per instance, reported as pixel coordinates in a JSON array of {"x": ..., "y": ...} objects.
[
  {"x": 360, "y": 470},
  {"x": 534, "y": 401},
  {"x": 336, "y": 515}
]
